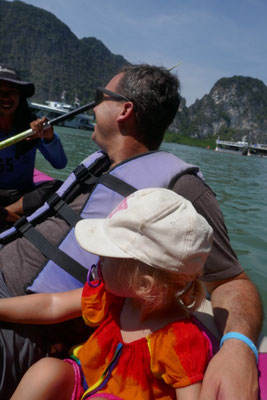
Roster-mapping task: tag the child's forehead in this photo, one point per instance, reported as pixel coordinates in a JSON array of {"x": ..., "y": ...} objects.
[
  {"x": 117, "y": 262},
  {"x": 110, "y": 260}
]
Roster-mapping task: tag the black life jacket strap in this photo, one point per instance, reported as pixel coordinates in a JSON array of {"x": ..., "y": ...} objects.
[
  {"x": 83, "y": 175},
  {"x": 63, "y": 209},
  {"x": 116, "y": 184},
  {"x": 51, "y": 251}
]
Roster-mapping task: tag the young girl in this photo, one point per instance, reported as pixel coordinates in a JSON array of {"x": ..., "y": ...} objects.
[{"x": 152, "y": 249}]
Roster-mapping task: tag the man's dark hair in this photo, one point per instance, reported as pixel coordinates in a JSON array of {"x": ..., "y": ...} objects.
[{"x": 154, "y": 92}]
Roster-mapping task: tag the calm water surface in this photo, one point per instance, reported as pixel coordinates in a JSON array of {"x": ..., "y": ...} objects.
[{"x": 240, "y": 185}]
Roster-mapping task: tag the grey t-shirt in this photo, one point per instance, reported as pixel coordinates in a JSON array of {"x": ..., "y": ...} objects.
[
  {"x": 20, "y": 261},
  {"x": 222, "y": 262}
]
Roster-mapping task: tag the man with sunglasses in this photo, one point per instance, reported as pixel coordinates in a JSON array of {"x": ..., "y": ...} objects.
[{"x": 132, "y": 114}]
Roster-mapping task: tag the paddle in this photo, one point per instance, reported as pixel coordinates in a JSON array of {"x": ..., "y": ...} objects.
[{"x": 29, "y": 132}]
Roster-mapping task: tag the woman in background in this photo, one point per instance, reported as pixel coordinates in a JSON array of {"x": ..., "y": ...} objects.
[{"x": 17, "y": 161}]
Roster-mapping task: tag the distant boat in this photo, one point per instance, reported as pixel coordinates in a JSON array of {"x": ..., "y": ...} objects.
[
  {"x": 241, "y": 147},
  {"x": 227, "y": 146},
  {"x": 52, "y": 109}
]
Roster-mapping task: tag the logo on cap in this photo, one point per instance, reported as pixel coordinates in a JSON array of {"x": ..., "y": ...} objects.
[{"x": 122, "y": 206}]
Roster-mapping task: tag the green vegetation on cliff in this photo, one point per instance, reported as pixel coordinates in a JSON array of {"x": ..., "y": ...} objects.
[
  {"x": 44, "y": 50},
  {"x": 171, "y": 137}
]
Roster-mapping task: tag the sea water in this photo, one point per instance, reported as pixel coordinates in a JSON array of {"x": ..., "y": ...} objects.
[{"x": 240, "y": 185}]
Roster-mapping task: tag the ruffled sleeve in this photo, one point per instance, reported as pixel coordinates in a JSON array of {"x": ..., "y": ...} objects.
[
  {"x": 179, "y": 354},
  {"x": 96, "y": 302}
]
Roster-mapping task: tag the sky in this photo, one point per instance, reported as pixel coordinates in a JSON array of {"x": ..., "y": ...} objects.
[{"x": 211, "y": 39}]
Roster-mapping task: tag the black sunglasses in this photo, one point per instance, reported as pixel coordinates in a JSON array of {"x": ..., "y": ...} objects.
[{"x": 99, "y": 96}]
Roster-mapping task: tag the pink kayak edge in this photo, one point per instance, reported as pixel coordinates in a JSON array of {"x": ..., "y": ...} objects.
[{"x": 39, "y": 176}]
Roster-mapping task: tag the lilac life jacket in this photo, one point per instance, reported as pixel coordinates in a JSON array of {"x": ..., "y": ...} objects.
[{"x": 152, "y": 169}]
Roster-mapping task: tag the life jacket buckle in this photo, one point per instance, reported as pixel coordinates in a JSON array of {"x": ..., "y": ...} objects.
[
  {"x": 55, "y": 202},
  {"x": 22, "y": 225},
  {"x": 81, "y": 172}
]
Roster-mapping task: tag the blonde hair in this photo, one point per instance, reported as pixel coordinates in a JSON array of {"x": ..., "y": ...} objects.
[{"x": 167, "y": 286}]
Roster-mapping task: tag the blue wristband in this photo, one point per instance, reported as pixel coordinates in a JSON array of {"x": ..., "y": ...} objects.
[{"x": 243, "y": 338}]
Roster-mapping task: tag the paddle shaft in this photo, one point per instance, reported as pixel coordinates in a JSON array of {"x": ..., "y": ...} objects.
[
  {"x": 71, "y": 114},
  {"x": 29, "y": 132}
]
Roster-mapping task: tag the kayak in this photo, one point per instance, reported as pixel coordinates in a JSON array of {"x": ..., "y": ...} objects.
[
  {"x": 206, "y": 321},
  {"x": 39, "y": 177}
]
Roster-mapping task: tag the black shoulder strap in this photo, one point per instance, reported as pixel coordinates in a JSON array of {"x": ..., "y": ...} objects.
[
  {"x": 51, "y": 251},
  {"x": 112, "y": 182},
  {"x": 116, "y": 184},
  {"x": 63, "y": 209}
]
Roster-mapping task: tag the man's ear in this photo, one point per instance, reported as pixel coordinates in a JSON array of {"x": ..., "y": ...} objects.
[
  {"x": 126, "y": 112},
  {"x": 146, "y": 285}
]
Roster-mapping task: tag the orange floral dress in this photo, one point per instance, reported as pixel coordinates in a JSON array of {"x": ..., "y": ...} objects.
[{"x": 153, "y": 367}]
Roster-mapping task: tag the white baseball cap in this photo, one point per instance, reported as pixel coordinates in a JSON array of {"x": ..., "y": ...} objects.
[{"x": 155, "y": 226}]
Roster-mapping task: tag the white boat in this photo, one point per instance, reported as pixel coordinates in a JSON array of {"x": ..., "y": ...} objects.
[
  {"x": 241, "y": 147},
  {"x": 52, "y": 109}
]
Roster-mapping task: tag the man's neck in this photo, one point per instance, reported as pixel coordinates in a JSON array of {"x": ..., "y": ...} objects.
[{"x": 128, "y": 150}]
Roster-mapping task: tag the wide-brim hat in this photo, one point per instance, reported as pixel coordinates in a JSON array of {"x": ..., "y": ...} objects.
[
  {"x": 8, "y": 74},
  {"x": 155, "y": 226}
]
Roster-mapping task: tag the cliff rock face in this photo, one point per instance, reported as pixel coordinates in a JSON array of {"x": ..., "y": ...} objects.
[
  {"x": 45, "y": 51},
  {"x": 235, "y": 108}
]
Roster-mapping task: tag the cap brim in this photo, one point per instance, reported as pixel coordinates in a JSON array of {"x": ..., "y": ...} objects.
[
  {"x": 91, "y": 236},
  {"x": 27, "y": 88}
]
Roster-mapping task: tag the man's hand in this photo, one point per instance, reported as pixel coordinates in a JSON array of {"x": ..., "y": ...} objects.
[
  {"x": 7, "y": 215},
  {"x": 231, "y": 374},
  {"x": 12, "y": 216}
]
